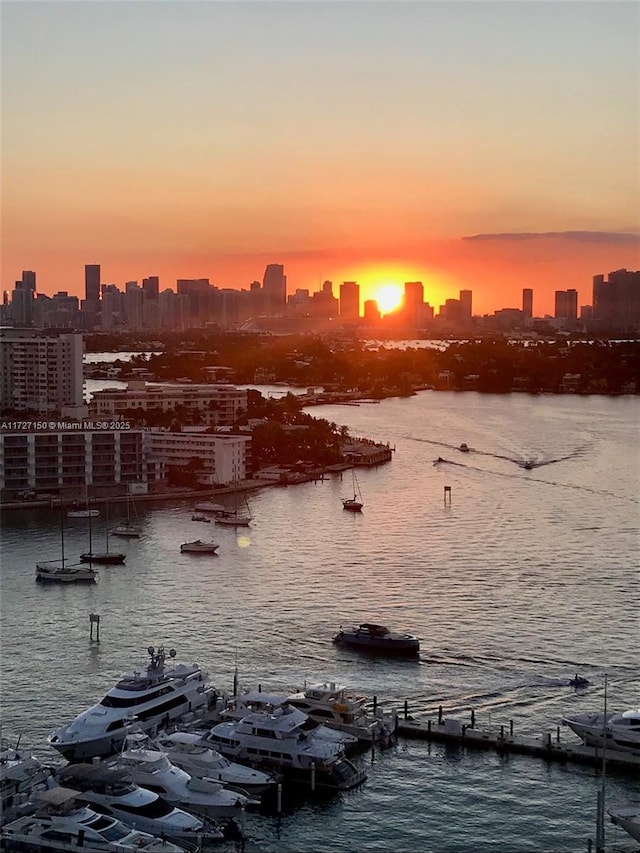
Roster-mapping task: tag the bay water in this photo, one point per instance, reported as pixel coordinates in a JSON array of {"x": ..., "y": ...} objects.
[{"x": 524, "y": 579}]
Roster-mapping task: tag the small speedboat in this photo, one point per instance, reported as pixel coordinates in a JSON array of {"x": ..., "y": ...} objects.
[
  {"x": 83, "y": 513},
  {"x": 377, "y": 638},
  {"x": 578, "y": 681},
  {"x": 199, "y": 547},
  {"x": 201, "y": 518},
  {"x": 464, "y": 447}
]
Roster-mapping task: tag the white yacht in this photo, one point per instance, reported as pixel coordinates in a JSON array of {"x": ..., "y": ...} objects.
[
  {"x": 615, "y": 731},
  {"x": 239, "y": 706},
  {"x": 61, "y": 824},
  {"x": 156, "y": 697},
  {"x": 111, "y": 792},
  {"x": 20, "y": 775},
  {"x": 199, "y": 547},
  {"x": 627, "y": 817},
  {"x": 330, "y": 704},
  {"x": 279, "y": 740},
  {"x": 186, "y": 750},
  {"x": 209, "y": 506},
  {"x": 151, "y": 768}
]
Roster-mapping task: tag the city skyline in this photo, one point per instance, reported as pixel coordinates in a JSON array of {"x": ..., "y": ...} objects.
[{"x": 465, "y": 145}]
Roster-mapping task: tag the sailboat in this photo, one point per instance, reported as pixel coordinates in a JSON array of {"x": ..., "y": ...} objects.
[
  {"x": 60, "y": 571},
  {"x": 237, "y": 517},
  {"x": 355, "y": 503},
  {"x": 106, "y": 557},
  {"x": 128, "y": 529}
]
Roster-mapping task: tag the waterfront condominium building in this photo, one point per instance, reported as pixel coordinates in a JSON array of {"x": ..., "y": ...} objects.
[
  {"x": 41, "y": 372},
  {"x": 616, "y": 302},
  {"x": 62, "y": 461},
  {"x": 527, "y": 303},
  {"x": 349, "y": 301},
  {"x": 223, "y": 459},
  {"x": 566, "y": 304},
  {"x": 216, "y": 405}
]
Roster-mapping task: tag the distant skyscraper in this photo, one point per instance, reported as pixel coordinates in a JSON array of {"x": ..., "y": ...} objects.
[
  {"x": 92, "y": 286},
  {"x": 151, "y": 286},
  {"x": 466, "y": 298},
  {"x": 616, "y": 302},
  {"x": 527, "y": 303},
  {"x": 275, "y": 289},
  {"x": 566, "y": 304},
  {"x": 28, "y": 280},
  {"x": 349, "y": 301},
  {"x": 371, "y": 311}
]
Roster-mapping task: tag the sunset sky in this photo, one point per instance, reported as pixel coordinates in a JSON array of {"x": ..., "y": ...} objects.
[{"x": 356, "y": 140}]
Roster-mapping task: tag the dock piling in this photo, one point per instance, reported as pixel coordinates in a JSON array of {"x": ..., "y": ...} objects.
[
  {"x": 440, "y": 715},
  {"x": 94, "y": 619},
  {"x": 406, "y": 709},
  {"x": 473, "y": 718}
]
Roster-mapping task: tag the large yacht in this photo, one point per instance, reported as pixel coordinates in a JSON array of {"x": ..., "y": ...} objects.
[
  {"x": 160, "y": 695},
  {"x": 186, "y": 750},
  {"x": 331, "y": 705},
  {"x": 61, "y": 824},
  {"x": 151, "y": 768},
  {"x": 377, "y": 639},
  {"x": 279, "y": 740},
  {"x": 615, "y": 731},
  {"x": 112, "y": 793},
  {"x": 20, "y": 774},
  {"x": 239, "y": 706}
]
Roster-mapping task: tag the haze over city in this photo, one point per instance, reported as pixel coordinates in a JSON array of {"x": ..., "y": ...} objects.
[{"x": 490, "y": 146}]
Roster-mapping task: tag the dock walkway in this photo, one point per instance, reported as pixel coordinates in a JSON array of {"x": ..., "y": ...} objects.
[{"x": 549, "y": 746}]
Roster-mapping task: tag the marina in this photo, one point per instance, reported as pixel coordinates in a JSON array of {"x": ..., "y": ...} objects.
[{"x": 506, "y": 588}]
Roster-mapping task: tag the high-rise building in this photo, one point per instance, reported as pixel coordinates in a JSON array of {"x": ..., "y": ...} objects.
[
  {"x": 349, "y": 301},
  {"x": 566, "y": 304},
  {"x": 371, "y": 312},
  {"x": 616, "y": 302},
  {"x": 527, "y": 303},
  {"x": 413, "y": 305},
  {"x": 41, "y": 372},
  {"x": 92, "y": 286},
  {"x": 28, "y": 280},
  {"x": 151, "y": 286},
  {"x": 275, "y": 289},
  {"x": 466, "y": 304}
]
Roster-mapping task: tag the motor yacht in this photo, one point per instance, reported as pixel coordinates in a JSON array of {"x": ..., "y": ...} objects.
[
  {"x": 151, "y": 768},
  {"x": 378, "y": 639},
  {"x": 160, "y": 695},
  {"x": 239, "y": 706},
  {"x": 331, "y": 705},
  {"x": 279, "y": 740},
  {"x": 616, "y": 731},
  {"x": 60, "y": 823},
  {"x": 199, "y": 547},
  {"x": 627, "y": 817},
  {"x": 187, "y": 751},
  {"x": 111, "y": 792},
  {"x": 20, "y": 775}
]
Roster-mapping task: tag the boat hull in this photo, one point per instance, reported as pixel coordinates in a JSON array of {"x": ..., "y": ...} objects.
[
  {"x": 405, "y": 647},
  {"x": 103, "y": 559}
]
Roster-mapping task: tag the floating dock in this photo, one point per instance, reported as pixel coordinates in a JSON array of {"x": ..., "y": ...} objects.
[{"x": 503, "y": 741}]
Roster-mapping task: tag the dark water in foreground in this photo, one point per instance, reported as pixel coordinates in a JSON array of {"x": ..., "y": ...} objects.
[{"x": 527, "y": 578}]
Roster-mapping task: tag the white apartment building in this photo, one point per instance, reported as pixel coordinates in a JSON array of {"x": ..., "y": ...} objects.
[
  {"x": 224, "y": 459},
  {"x": 41, "y": 372},
  {"x": 217, "y": 405},
  {"x": 54, "y": 459}
]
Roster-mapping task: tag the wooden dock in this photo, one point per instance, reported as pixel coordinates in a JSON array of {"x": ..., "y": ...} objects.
[{"x": 503, "y": 741}]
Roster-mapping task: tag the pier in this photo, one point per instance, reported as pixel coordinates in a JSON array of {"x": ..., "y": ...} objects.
[{"x": 549, "y": 746}]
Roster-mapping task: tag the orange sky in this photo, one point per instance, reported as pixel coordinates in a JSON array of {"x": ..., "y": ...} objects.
[{"x": 190, "y": 139}]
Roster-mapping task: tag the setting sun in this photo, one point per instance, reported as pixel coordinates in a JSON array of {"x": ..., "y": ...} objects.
[{"x": 388, "y": 297}]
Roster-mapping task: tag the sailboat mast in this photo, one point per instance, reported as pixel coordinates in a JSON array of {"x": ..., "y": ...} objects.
[
  {"x": 62, "y": 532},
  {"x": 601, "y": 793}
]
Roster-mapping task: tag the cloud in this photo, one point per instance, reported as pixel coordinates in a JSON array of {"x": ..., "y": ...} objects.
[{"x": 600, "y": 237}]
